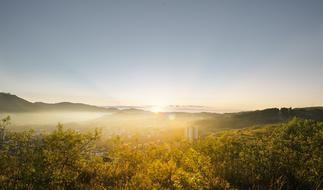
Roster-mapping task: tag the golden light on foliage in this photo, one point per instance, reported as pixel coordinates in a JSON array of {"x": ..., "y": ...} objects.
[{"x": 245, "y": 155}]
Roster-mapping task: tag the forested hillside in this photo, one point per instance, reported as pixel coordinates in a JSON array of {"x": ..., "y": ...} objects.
[
  {"x": 280, "y": 156},
  {"x": 259, "y": 117}
]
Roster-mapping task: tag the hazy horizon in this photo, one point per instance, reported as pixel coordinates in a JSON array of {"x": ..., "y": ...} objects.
[
  {"x": 224, "y": 54},
  {"x": 166, "y": 108}
]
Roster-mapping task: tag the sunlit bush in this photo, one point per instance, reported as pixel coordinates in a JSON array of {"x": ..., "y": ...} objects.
[{"x": 282, "y": 156}]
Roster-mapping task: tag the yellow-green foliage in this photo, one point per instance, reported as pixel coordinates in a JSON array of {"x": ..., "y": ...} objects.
[{"x": 286, "y": 156}]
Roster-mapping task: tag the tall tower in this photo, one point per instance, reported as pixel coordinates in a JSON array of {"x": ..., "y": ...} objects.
[{"x": 191, "y": 133}]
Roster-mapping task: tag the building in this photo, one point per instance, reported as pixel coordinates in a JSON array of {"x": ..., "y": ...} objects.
[{"x": 191, "y": 133}]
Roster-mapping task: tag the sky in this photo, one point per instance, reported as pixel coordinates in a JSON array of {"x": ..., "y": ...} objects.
[{"x": 229, "y": 54}]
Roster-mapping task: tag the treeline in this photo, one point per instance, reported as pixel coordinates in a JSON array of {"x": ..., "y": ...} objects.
[{"x": 284, "y": 156}]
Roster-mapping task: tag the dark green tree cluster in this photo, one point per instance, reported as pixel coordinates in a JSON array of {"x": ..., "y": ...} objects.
[{"x": 286, "y": 156}]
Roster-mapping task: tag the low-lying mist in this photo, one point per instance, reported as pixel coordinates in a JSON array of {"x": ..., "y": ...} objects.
[
  {"x": 45, "y": 119},
  {"x": 125, "y": 123}
]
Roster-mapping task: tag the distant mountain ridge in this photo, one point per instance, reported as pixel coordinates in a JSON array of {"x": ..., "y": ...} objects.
[
  {"x": 260, "y": 117},
  {"x": 13, "y": 103},
  {"x": 172, "y": 108}
]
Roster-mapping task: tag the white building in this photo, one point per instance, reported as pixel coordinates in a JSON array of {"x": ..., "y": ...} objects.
[{"x": 191, "y": 133}]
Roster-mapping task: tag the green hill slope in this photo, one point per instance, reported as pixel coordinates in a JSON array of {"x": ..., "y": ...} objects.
[{"x": 13, "y": 103}]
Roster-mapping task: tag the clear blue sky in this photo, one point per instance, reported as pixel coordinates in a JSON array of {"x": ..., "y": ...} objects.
[{"x": 223, "y": 53}]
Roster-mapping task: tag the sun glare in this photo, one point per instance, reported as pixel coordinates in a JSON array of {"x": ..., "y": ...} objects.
[{"x": 156, "y": 109}]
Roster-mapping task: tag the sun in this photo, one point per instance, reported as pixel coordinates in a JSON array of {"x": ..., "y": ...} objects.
[{"x": 156, "y": 109}]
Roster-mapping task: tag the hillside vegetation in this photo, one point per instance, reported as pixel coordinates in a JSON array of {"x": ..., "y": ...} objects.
[
  {"x": 259, "y": 117},
  {"x": 279, "y": 156}
]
